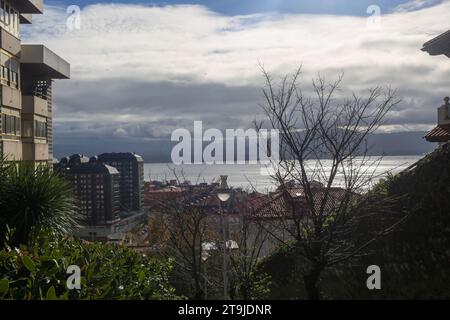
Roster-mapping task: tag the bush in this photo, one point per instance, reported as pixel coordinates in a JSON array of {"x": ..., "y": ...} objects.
[
  {"x": 33, "y": 199},
  {"x": 107, "y": 272},
  {"x": 414, "y": 257}
]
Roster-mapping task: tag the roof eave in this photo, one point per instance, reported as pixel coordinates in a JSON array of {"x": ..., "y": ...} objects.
[
  {"x": 43, "y": 62},
  {"x": 29, "y": 6}
]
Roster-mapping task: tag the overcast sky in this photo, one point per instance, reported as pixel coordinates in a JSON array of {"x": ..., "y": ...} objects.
[{"x": 141, "y": 70}]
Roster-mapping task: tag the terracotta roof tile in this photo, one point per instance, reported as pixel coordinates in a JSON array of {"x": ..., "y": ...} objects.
[
  {"x": 441, "y": 133},
  {"x": 280, "y": 205}
]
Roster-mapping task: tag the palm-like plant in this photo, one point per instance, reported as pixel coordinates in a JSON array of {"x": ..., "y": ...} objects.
[{"x": 33, "y": 199}]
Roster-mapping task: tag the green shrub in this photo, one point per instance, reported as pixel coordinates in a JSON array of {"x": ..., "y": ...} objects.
[
  {"x": 107, "y": 272},
  {"x": 414, "y": 257},
  {"x": 33, "y": 199}
]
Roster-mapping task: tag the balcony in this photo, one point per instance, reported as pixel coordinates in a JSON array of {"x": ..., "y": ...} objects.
[
  {"x": 12, "y": 150},
  {"x": 42, "y": 63},
  {"x": 439, "y": 45},
  {"x": 9, "y": 42},
  {"x": 26, "y": 18},
  {"x": 29, "y": 6},
  {"x": 10, "y": 97},
  {"x": 34, "y": 105}
]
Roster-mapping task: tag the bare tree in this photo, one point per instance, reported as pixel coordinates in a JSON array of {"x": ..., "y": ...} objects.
[
  {"x": 252, "y": 237},
  {"x": 179, "y": 228},
  {"x": 312, "y": 129},
  {"x": 187, "y": 228}
]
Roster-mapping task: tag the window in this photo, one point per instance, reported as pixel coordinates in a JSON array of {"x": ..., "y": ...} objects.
[
  {"x": 14, "y": 77},
  {"x": 17, "y": 125},
  {"x": 27, "y": 128},
  {"x": 9, "y": 72},
  {"x": 10, "y": 125},
  {"x": 9, "y": 18},
  {"x": 40, "y": 129},
  {"x": 6, "y": 13},
  {"x": 2, "y": 10}
]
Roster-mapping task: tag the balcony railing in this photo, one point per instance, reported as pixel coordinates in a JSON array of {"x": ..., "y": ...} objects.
[{"x": 38, "y": 89}]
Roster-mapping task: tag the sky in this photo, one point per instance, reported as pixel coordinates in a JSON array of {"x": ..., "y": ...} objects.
[
  {"x": 239, "y": 7},
  {"x": 143, "y": 69}
]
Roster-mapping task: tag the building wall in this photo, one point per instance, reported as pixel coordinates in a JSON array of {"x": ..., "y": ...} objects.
[
  {"x": 131, "y": 180},
  {"x": 444, "y": 114},
  {"x": 26, "y": 89},
  {"x": 97, "y": 198}
]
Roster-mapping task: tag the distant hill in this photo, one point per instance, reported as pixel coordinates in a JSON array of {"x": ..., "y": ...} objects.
[
  {"x": 158, "y": 151},
  {"x": 401, "y": 143}
]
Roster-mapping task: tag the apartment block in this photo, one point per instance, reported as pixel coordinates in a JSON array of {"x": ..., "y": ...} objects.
[
  {"x": 96, "y": 188},
  {"x": 131, "y": 170},
  {"x": 26, "y": 97}
]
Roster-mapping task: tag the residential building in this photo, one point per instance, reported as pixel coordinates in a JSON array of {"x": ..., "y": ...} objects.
[
  {"x": 26, "y": 97},
  {"x": 440, "y": 45},
  {"x": 276, "y": 215},
  {"x": 131, "y": 170},
  {"x": 96, "y": 187},
  {"x": 441, "y": 133}
]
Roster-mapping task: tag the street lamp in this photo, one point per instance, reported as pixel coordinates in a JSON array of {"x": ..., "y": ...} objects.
[
  {"x": 223, "y": 197},
  {"x": 224, "y": 194},
  {"x": 206, "y": 248}
]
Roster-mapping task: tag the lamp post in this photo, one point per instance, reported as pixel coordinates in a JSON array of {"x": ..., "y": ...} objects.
[
  {"x": 206, "y": 248},
  {"x": 224, "y": 194}
]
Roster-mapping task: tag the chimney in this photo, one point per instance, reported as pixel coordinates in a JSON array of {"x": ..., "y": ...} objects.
[{"x": 444, "y": 112}]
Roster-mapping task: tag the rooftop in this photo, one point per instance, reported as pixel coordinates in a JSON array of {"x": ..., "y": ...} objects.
[
  {"x": 29, "y": 6},
  {"x": 91, "y": 168},
  {"x": 440, "y": 133},
  {"x": 438, "y": 45},
  {"x": 120, "y": 156},
  {"x": 292, "y": 202},
  {"x": 40, "y": 61}
]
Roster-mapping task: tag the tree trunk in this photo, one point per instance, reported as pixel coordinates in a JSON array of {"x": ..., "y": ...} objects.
[
  {"x": 311, "y": 283},
  {"x": 198, "y": 289}
]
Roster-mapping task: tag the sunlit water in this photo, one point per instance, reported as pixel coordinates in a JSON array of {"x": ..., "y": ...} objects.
[{"x": 254, "y": 176}]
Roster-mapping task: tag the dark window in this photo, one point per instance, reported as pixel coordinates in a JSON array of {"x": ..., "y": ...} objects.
[
  {"x": 10, "y": 124},
  {"x": 17, "y": 126},
  {"x": 40, "y": 129}
]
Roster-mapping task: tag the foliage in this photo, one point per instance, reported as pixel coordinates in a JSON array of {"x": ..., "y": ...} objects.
[
  {"x": 33, "y": 199},
  {"x": 286, "y": 268},
  {"x": 252, "y": 284},
  {"x": 107, "y": 272},
  {"x": 414, "y": 257}
]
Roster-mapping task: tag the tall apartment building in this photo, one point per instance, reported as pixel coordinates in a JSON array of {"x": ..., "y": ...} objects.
[
  {"x": 26, "y": 75},
  {"x": 131, "y": 169},
  {"x": 96, "y": 188}
]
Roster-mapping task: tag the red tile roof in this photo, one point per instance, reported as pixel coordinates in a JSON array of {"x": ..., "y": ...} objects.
[
  {"x": 272, "y": 206},
  {"x": 441, "y": 133},
  {"x": 281, "y": 205}
]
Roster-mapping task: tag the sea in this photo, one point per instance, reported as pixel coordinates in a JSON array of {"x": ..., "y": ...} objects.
[{"x": 257, "y": 177}]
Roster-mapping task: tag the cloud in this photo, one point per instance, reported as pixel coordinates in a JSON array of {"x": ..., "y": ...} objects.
[
  {"x": 140, "y": 71},
  {"x": 414, "y": 5}
]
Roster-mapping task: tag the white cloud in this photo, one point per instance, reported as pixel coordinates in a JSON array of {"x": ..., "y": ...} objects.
[
  {"x": 190, "y": 45},
  {"x": 414, "y": 5}
]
